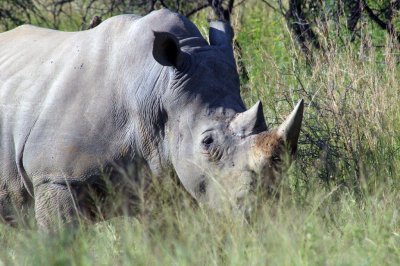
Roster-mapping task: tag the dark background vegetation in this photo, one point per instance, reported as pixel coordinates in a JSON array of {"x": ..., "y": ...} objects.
[{"x": 302, "y": 16}]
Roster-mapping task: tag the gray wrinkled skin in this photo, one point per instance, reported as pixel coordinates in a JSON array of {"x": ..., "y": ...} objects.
[{"x": 133, "y": 89}]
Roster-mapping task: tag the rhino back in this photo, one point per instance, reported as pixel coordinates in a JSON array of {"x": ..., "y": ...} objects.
[{"x": 72, "y": 102}]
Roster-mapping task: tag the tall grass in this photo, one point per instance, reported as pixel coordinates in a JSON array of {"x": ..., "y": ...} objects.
[
  {"x": 339, "y": 203},
  {"x": 328, "y": 228}
]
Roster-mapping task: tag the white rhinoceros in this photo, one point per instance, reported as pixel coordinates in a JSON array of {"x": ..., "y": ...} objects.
[{"x": 134, "y": 89}]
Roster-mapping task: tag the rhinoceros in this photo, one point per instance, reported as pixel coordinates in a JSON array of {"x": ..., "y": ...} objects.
[{"x": 145, "y": 89}]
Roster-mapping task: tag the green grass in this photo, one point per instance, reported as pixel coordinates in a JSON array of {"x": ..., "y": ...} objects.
[
  {"x": 339, "y": 202},
  {"x": 325, "y": 228}
]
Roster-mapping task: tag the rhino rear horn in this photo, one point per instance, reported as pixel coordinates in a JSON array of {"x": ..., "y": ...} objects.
[
  {"x": 289, "y": 130},
  {"x": 249, "y": 122},
  {"x": 166, "y": 50}
]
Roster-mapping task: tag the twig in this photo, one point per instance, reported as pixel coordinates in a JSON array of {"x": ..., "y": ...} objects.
[
  {"x": 238, "y": 4},
  {"x": 388, "y": 26},
  {"x": 270, "y": 5},
  {"x": 197, "y": 9}
]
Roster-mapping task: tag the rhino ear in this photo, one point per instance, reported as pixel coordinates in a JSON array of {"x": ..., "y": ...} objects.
[
  {"x": 166, "y": 49},
  {"x": 289, "y": 130},
  {"x": 221, "y": 34},
  {"x": 249, "y": 122}
]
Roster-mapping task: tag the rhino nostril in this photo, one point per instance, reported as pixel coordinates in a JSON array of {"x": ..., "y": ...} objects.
[
  {"x": 203, "y": 187},
  {"x": 239, "y": 201},
  {"x": 240, "y": 196},
  {"x": 253, "y": 180},
  {"x": 243, "y": 208}
]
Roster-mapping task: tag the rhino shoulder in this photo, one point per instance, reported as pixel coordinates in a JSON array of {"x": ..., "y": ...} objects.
[{"x": 117, "y": 21}]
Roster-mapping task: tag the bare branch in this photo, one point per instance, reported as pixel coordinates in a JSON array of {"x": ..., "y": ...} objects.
[
  {"x": 197, "y": 9},
  {"x": 270, "y": 5},
  {"x": 388, "y": 26},
  {"x": 152, "y": 4},
  {"x": 241, "y": 2},
  {"x": 163, "y": 4}
]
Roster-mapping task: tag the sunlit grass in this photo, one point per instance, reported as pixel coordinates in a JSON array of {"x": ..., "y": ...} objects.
[{"x": 326, "y": 227}]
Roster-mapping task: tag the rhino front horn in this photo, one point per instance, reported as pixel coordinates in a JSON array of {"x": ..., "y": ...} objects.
[
  {"x": 249, "y": 122},
  {"x": 289, "y": 130}
]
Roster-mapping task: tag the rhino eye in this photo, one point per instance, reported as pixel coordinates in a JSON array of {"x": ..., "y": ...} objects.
[{"x": 207, "y": 141}]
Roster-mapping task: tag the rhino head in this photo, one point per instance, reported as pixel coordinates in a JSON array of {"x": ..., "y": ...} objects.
[{"x": 220, "y": 151}]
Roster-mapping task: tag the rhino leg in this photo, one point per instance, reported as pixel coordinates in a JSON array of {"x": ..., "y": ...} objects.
[
  {"x": 13, "y": 204},
  {"x": 5, "y": 204},
  {"x": 55, "y": 206}
]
